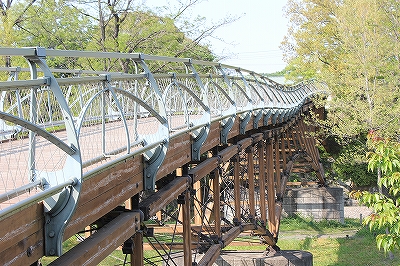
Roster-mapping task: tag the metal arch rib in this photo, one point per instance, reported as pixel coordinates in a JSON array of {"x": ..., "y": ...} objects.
[{"x": 70, "y": 150}]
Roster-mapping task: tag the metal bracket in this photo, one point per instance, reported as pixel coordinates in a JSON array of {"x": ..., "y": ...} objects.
[
  {"x": 198, "y": 141},
  {"x": 257, "y": 118},
  {"x": 226, "y": 127},
  {"x": 244, "y": 122},
  {"x": 275, "y": 117},
  {"x": 266, "y": 117},
  {"x": 152, "y": 164},
  {"x": 57, "y": 217}
]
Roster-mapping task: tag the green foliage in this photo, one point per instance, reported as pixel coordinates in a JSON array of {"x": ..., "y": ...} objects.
[
  {"x": 116, "y": 26},
  {"x": 384, "y": 157},
  {"x": 352, "y": 46}
]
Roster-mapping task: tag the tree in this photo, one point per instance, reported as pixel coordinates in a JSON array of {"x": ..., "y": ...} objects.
[
  {"x": 10, "y": 18},
  {"x": 384, "y": 157},
  {"x": 349, "y": 45},
  {"x": 352, "y": 46}
]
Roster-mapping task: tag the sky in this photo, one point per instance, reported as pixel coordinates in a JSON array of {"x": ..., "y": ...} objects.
[{"x": 253, "y": 41}]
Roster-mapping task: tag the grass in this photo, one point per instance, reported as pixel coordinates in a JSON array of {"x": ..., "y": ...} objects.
[
  {"x": 327, "y": 246},
  {"x": 357, "y": 250},
  {"x": 298, "y": 223}
]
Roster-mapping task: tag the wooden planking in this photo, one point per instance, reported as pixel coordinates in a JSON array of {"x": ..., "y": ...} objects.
[
  {"x": 108, "y": 238},
  {"x": 16, "y": 227},
  {"x": 21, "y": 232},
  {"x": 178, "y": 154},
  {"x": 106, "y": 191}
]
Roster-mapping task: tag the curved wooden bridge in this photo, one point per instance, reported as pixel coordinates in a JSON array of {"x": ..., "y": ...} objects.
[{"x": 173, "y": 155}]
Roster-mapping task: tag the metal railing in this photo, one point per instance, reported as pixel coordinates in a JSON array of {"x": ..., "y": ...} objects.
[{"x": 58, "y": 125}]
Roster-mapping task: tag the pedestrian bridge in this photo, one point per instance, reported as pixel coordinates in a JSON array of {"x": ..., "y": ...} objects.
[{"x": 162, "y": 156}]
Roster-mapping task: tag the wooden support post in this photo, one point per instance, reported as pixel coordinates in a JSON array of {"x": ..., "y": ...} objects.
[
  {"x": 277, "y": 167},
  {"x": 217, "y": 203},
  {"x": 261, "y": 181},
  {"x": 187, "y": 252},
  {"x": 250, "y": 177},
  {"x": 137, "y": 256},
  {"x": 187, "y": 232},
  {"x": 283, "y": 151},
  {"x": 289, "y": 138},
  {"x": 197, "y": 208},
  {"x": 271, "y": 186},
  {"x": 236, "y": 186},
  {"x": 300, "y": 136}
]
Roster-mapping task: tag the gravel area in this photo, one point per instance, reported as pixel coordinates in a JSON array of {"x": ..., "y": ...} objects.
[{"x": 356, "y": 212}]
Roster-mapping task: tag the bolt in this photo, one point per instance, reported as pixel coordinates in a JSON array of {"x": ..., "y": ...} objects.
[
  {"x": 52, "y": 252},
  {"x": 29, "y": 251},
  {"x": 51, "y": 234}
]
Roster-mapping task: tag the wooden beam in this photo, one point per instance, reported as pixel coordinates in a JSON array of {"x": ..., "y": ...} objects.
[
  {"x": 99, "y": 245},
  {"x": 226, "y": 154},
  {"x": 203, "y": 169},
  {"x": 151, "y": 205},
  {"x": 229, "y": 236},
  {"x": 210, "y": 256},
  {"x": 244, "y": 143}
]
